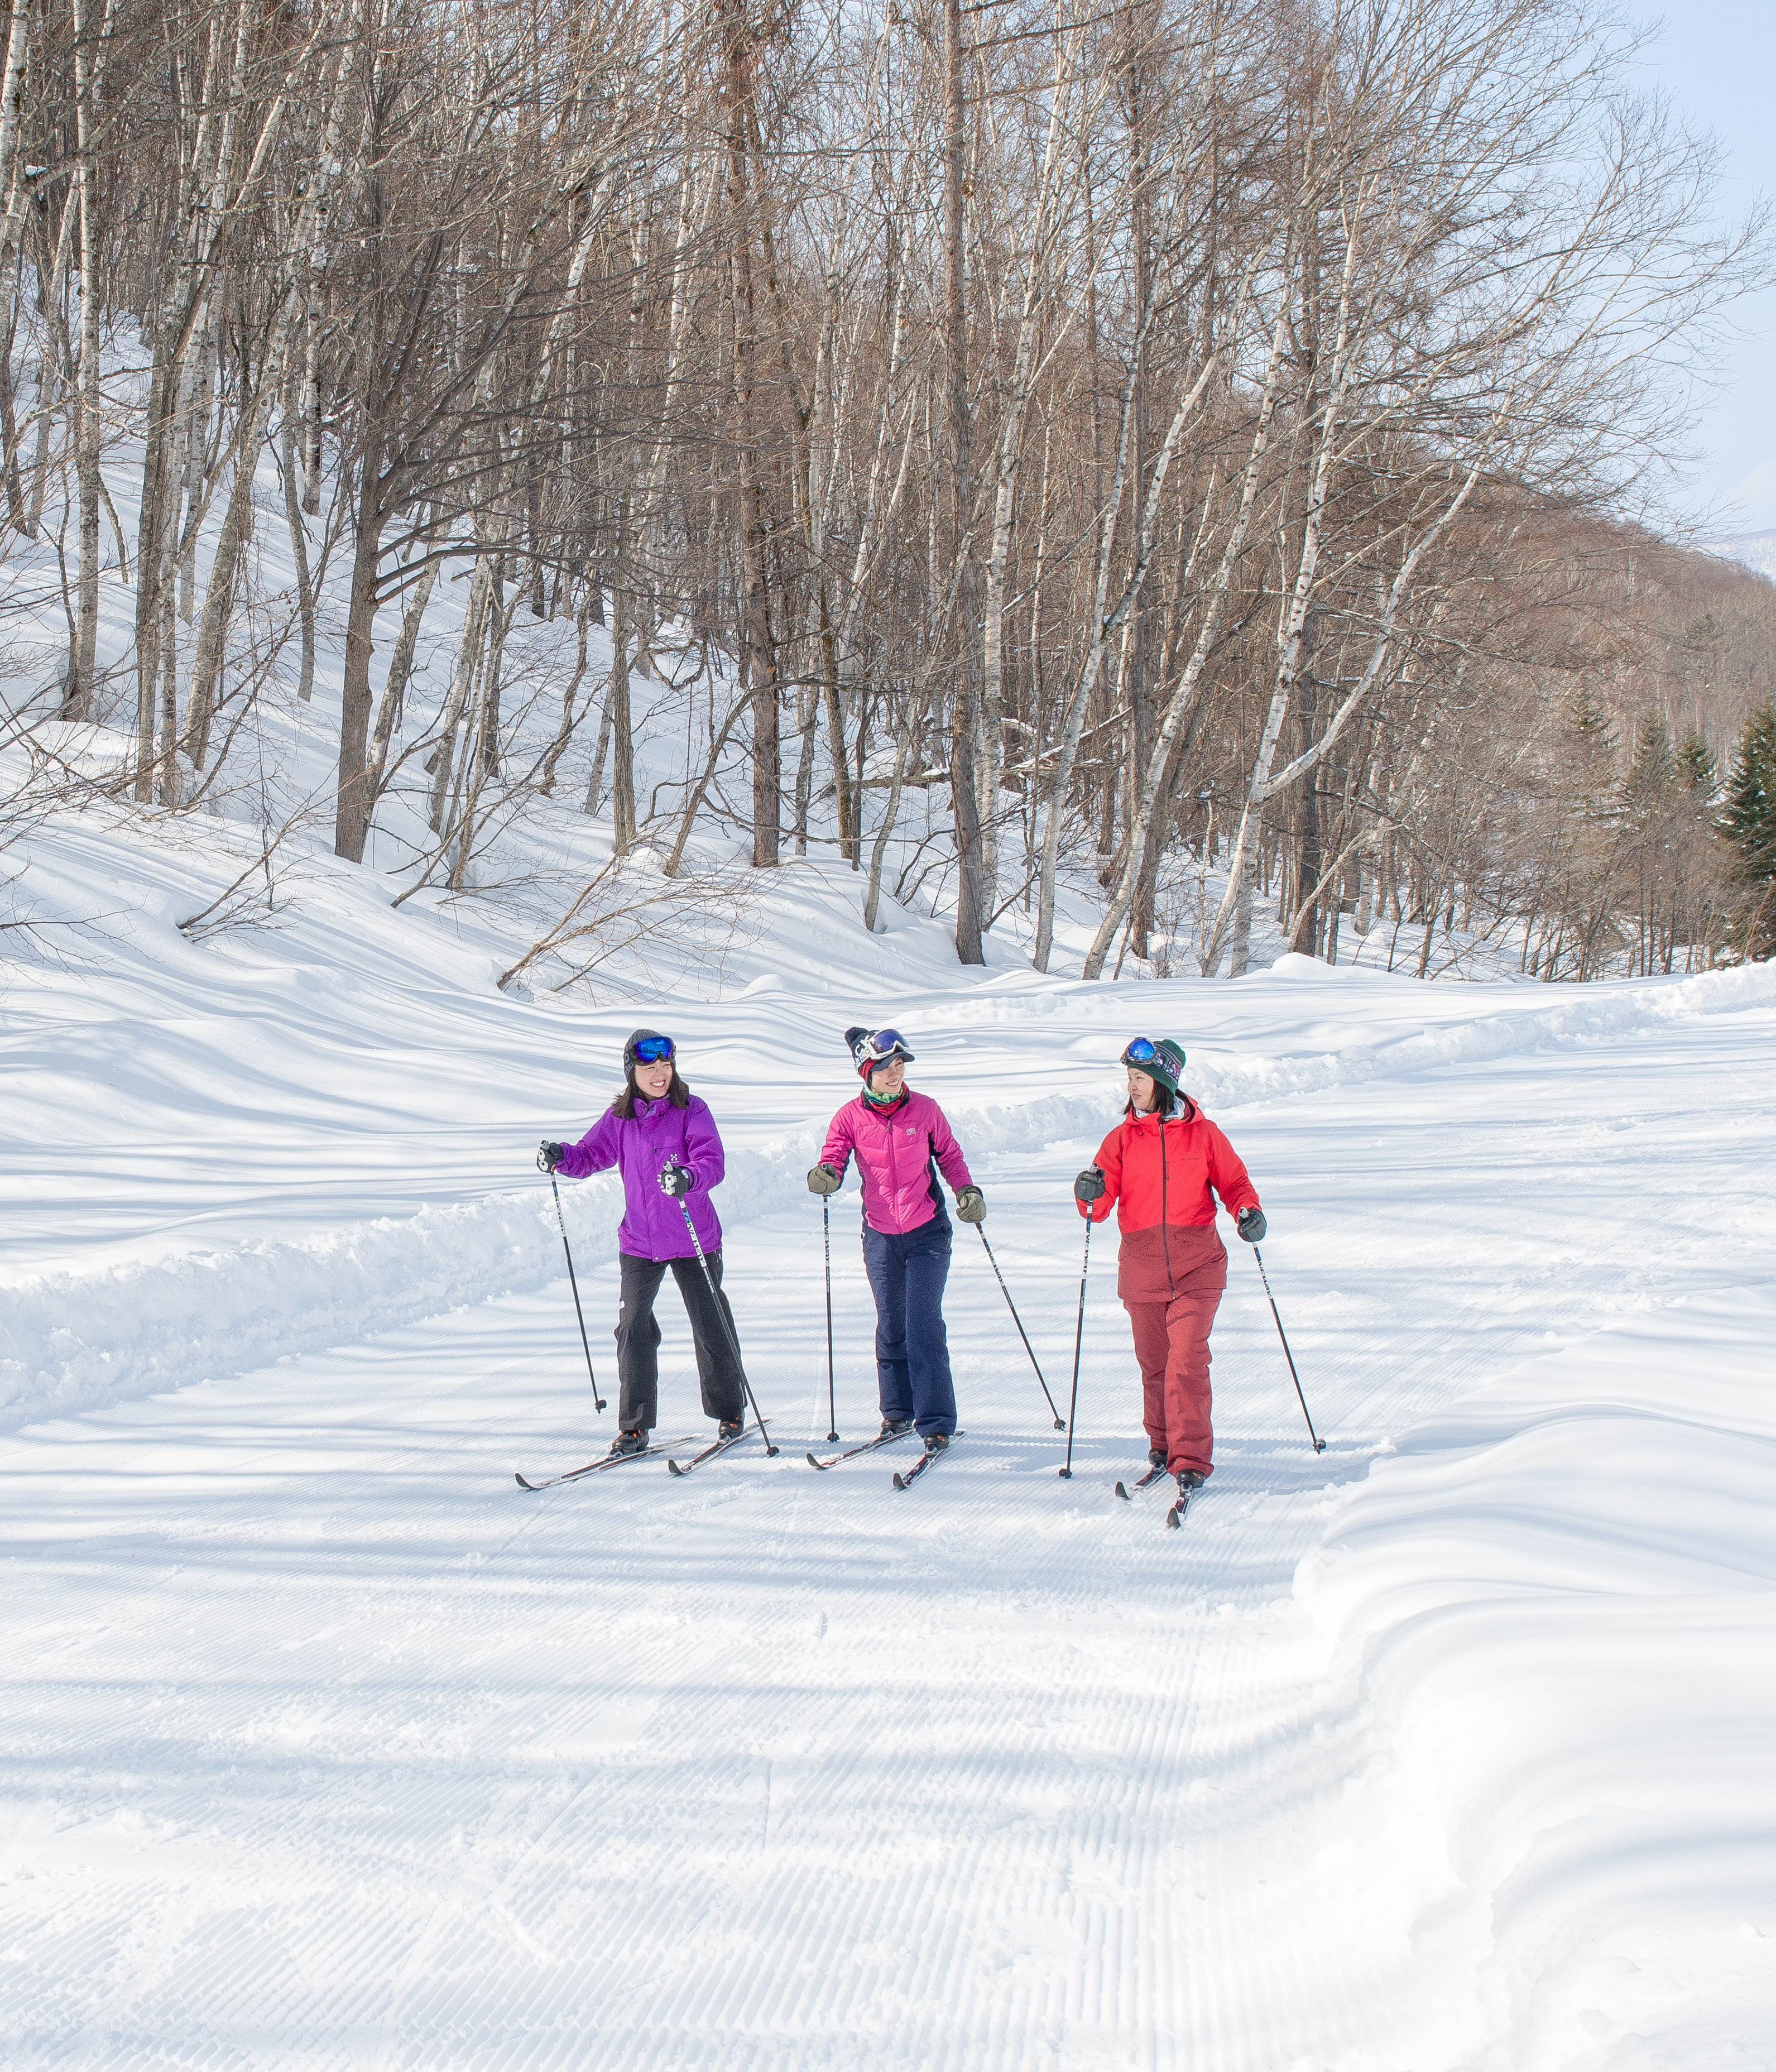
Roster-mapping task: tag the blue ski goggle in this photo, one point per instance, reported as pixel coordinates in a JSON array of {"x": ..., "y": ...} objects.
[
  {"x": 1142, "y": 1052},
  {"x": 654, "y": 1051},
  {"x": 886, "y": 1043}
]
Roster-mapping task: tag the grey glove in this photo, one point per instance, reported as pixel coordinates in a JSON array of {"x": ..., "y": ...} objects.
[
  {"x": 823, "y": 1180},
  {"x": 1251, "y": 1225},
  {"x": 1089, "y": 1187},
  {"x": 549, "y": 1155},
  {"x": 971, "y": 1206}
]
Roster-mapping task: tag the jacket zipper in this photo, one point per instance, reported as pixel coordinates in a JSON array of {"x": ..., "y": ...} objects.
[{"x": 1164, "y": 1239}]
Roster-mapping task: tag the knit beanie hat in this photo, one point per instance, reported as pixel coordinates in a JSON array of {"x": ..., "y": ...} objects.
[{"x": 870, "y": 1047}]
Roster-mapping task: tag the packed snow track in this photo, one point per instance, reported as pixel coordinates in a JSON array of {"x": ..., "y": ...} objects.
[{"x": 327, "y": 1746}]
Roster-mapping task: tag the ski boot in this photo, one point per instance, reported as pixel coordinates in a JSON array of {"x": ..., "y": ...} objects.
[
  {"x": 1155, "y": 1457},
  {"x": 629, "y": 1442},
  {"x": 936, "y": 1442},
  {"x": 1189, "y": 1482},
  {"x": 730, "y": 1428},
  {"x": 892, "y": 1428}
]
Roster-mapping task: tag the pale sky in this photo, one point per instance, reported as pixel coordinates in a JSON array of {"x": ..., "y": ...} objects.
[{"x": 1716, "y": 59}]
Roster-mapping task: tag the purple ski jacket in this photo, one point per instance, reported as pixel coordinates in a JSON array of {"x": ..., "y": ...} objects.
[
  {"x": 894, "y": 1148},
  {"x": 661, "y": 1135}
]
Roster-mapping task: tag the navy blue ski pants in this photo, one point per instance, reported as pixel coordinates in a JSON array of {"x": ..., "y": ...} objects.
[{"x": 906, "y": 1276}]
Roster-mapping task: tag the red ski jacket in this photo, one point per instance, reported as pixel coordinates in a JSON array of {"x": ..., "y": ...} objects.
[{"x": 1159, "y": 1176}]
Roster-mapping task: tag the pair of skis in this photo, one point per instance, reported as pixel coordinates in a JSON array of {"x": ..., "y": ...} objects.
[
  {"x": 851, "y": 1453},
  {"x": 881, "y": 1439},
  {"x": 669, "y": 1447},
  {"x": 1174, "y": 1517}
]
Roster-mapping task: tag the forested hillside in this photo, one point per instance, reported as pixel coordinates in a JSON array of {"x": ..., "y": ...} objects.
[{"x": 1103, "y": 474}]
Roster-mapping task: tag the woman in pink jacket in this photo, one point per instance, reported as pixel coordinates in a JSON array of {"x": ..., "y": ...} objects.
[{"x": 902, "y": 1143}]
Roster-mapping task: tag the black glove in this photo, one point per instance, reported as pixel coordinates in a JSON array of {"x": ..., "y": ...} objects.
[
  {"x": 1251, "y": 1225},
  {"x": 971, "y": 1206},
  {"x": 549, "y": 1156},
  {"x": 823, "y": 1180},
  {"x": 676, "y": 1180},
  {"x": 1089, "y": 1187}
]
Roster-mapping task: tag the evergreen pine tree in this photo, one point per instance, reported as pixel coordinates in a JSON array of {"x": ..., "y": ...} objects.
[
  {"x": 1592, "y": 756},
  {"x": 1748, "y": 823},
  {"x": 1651, "y": 784},
  {"x": 1700, "y": 771}
]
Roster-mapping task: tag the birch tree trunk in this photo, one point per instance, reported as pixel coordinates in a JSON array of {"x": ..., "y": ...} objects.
[
  {"x": 89, "y": 64},
  {"x": 972, "y": 908},
  {"x": 617, "y": 709},
  {"x": 462, "y": 678},
  {"x": 759, "y": 658},
  {"x": 298, "y": 551},
  {"x": 401, "y": 666}
]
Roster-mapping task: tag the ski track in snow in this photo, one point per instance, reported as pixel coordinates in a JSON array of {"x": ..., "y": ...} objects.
[{"x": 328, "y": 1747}]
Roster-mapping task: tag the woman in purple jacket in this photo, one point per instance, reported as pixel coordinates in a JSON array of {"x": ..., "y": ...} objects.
[
  {"x": 663, "y": 1141},
  {"x": 902, "y": 1141}
]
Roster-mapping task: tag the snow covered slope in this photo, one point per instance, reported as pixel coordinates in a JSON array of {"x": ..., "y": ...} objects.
[{"x": 328, "y": 1747}]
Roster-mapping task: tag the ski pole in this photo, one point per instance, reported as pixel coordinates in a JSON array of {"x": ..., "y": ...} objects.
[
  {"x": 1060, "y": 1423},
  {"x": 715, "y": 1297},
  {"x": 1319, "y": 1444},
  {"x": 574, "y": 1284},
  {"x": 826, "y": 1234},
  {"x": 1078, "y": 1340}
]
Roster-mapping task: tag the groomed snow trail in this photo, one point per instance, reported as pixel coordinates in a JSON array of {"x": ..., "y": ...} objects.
[{"x": 327, "y": 1747}]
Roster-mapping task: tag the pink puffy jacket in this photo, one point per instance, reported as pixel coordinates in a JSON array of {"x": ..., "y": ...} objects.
[{"x": 895, "y": 1149}]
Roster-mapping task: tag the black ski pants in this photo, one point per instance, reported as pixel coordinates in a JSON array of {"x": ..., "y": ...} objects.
[{"x": 638, "y": 1340}]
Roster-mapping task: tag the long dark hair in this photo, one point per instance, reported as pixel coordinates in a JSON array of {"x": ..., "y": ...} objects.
[
  {"x": 623, "y": 1107},
  {"x": 1165, "y": 1100}
]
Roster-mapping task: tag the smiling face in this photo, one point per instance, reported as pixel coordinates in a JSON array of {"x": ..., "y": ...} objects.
[
  {"x": 1141, "y": 1087},
  {"x": 652, "y": 1080},
  {"x": 885, "y": 1081}
]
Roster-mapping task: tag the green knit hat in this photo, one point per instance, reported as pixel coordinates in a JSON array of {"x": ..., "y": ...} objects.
[{"x": 1163, "y": 1061}]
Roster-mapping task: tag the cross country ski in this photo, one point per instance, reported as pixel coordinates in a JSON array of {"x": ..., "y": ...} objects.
[
  {"x": 718, "y": 1446},
  {"x": 612, "y": 1460},
  {"x": 935, "y": 1447},
  {"x": 885, "y": 1437}
]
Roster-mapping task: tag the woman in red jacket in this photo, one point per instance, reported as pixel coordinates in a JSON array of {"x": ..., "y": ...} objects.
[{"x": 1159, "y": 1165}]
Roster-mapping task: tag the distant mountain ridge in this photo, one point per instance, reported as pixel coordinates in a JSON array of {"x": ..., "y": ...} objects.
[{"x": 1755, "y": 551}]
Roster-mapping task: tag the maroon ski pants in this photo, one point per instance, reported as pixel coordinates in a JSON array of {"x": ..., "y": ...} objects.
[{"x": 1172, "y": 1347}]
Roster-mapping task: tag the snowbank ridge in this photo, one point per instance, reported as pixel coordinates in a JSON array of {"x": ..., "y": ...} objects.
[{"x": 1552, "y": 1609}]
